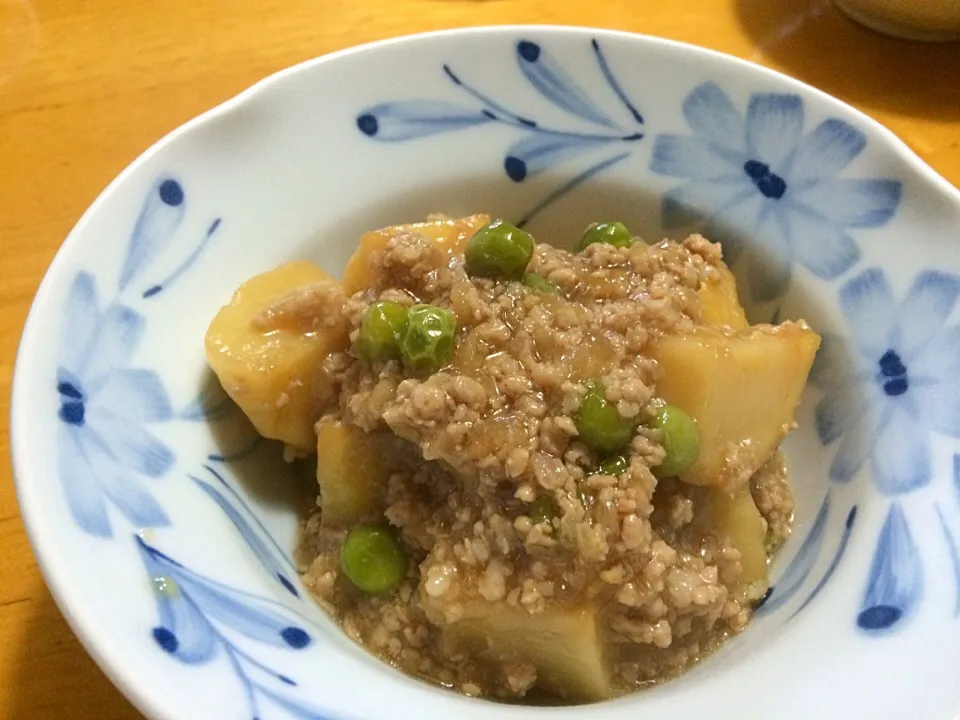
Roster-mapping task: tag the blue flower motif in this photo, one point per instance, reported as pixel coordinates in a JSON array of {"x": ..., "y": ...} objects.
[
  {"x": 886, "y": 390},
  {"x": 895, "y": 383},
  {"x": 251, "y": 529},
  {"x": 540, "y": 146},
  {"x": 953, "y": 543},
  {"x": 895, "y": 579},
  {"x": 161, "y": 216},
  {"x": 759, "y": 176},
  {"x": 200, "y": 618},
  {"x": 102, "y": 444},
  {"x": 800, "y": 568}
]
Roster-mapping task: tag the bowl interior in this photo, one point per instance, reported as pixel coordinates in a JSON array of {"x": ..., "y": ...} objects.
[{"x": 164, "y": 494}]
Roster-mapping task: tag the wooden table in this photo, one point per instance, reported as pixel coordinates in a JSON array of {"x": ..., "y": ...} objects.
[{"x": 86, "y": 85}]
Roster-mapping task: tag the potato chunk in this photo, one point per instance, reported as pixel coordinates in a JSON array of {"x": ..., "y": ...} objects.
[
  {"x": 742, "y": 388},
  {"x": 268, "y": 345},
  {"x": 720, "y": 305},
  {"x": 566, "y": 645},
  {"x": 450, "y": 237},
  {"x": 350, "y": 470},
  {"x": 737, "y": 518}
]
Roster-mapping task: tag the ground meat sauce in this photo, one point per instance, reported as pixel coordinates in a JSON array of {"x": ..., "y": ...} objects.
[{"x": 476, "y": 450}]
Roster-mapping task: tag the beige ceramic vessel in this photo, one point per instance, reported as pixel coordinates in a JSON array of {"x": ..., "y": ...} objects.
[{"x": 912, "y": 19}]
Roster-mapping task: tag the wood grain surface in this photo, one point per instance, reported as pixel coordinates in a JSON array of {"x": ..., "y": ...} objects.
[{"x": 86, "y": 85}]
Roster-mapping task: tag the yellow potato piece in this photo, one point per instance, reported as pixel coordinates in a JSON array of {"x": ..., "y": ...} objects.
[
  {"x": 742, "y": 389},
  {"x": 267, "y": 349},
  {"x": 566, "y": 645},
  {"x": 450, "y": 236},
  {"x": 737, "y": 518},
  {"x": 351, "y": 472},
  {"x": 720, "y": 305}
]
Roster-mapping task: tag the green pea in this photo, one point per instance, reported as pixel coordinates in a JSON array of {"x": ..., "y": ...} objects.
[
  {"x": 380, "y": 331},
  {"x": 498, "y": 251},
  {"x": 543, "y": 509},
  {"x": 539, "y": 284},
  {"x": 612, "y": 233},
  {"x": 373, "y": 559},
  {"x": 680, "y": 440},
  {"x": 427, "y": 342},
  {"x": 600, "y": 424},
  {"x": 614, "y": 465}
]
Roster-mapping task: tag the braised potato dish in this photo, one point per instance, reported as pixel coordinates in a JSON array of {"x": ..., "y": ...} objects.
[{"x": 543, "y": 474}]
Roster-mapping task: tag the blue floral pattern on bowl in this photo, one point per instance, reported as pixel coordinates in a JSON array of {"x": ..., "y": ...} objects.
[
  {"x": 541, "y": 146},
  {"x": 105, "y": 406},
  {"x": 761, "y": 174},
  {"x": 951, "y": 540},
  {"x": 882, "y": 404},
  {"x": 794, "y": 578},
  {"x": 104, "y": 448},
  {"x": 274, "y": 560},
  {"x": 196, "y": 615}
]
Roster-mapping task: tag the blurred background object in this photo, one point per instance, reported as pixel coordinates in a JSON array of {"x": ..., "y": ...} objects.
[{"x": 913, "y": 19}]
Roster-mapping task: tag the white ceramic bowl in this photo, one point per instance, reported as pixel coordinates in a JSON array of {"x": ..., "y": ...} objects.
[{"x": 165, "y": 530}]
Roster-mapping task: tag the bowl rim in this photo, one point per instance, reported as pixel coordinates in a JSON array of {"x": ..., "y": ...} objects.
[{"x": 48, "y": 556}]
